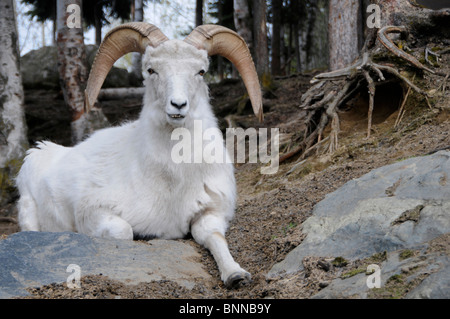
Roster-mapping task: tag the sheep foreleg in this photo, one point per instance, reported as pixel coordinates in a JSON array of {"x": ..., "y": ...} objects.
[{"x": 208, "y": 231}]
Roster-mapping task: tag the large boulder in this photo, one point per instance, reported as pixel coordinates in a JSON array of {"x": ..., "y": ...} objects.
[
  {"x": 33, "y": 259},
  {"x": 39, "y": 69},
  {"x": 400, "y": 206}
]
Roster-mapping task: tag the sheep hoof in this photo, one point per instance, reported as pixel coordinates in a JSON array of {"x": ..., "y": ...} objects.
[{"x": 236, "y": 278}]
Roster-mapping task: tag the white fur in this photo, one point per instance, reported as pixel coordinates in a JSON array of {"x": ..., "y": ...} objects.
[{"x": 122, "y": 181}]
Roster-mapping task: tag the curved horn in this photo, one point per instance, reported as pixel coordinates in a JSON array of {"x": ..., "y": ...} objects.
[
  {"x": 227, "y": 43},
  {"x": 128, "y": 37}
]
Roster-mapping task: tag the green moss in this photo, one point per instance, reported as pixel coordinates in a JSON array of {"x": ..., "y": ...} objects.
[
  {"x": 395, "y": 288},
  {"x": 395, "y": 279},
  {"x": 353, "y": 272},
  {"x": 431, "y": 58},
  {"x": 405, "y": 254},
  {"x": 339, "y": 262},
  {"x": 377, "y": 258},
  {"x": 289, "y": 227},
  {"x": 267, "y": 82}
]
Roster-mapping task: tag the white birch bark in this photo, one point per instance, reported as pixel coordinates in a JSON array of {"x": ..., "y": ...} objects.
[
  {"x": 73, "y": 69},
  {"x": 13, "y": 133}
]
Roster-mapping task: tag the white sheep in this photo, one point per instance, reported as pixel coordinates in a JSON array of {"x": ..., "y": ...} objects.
[{"x": 121, "y": 182}]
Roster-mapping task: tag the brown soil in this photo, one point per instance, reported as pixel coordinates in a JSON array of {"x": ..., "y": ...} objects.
[{"x": 271, "y": 208}]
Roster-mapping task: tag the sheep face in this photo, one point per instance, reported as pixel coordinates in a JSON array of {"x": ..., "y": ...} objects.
[{"x": 174, "y": 81}]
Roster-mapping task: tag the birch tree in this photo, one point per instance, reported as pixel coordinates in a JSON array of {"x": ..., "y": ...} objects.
[
  {"x": 13, "y": 135},
  {"x": 72, "y": 66}
]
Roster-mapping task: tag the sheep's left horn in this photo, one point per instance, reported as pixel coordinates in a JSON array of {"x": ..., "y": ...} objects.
[
  {"x": 227, "y": 43},
  {"x": 128, "y": 37}
]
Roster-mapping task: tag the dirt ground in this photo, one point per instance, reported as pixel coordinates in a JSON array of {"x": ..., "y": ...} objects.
[{"x": 271, "y": 208}]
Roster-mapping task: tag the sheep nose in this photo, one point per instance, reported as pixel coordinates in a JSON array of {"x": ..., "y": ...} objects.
[{"x": 178, "y": 105}]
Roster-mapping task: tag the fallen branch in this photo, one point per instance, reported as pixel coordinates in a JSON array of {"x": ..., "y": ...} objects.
[
  {"x": 8, "y": 220},
  {"x": 121, "y": 93}
]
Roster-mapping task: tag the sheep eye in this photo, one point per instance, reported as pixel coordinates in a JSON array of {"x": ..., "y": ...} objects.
[
  {"x": 202, "y": 72},
  {"x": 151, "y": 71}
]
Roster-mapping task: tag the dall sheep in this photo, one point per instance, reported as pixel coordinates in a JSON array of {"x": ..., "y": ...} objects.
[{"x": 121, "y": 182}]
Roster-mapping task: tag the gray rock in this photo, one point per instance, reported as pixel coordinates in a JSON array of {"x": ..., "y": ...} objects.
[
  {"x": 39, "y": 69},
  {"x": 353, "y": 287},
  {"x": 403, "y": 205},
  {"x": 435, "y": 286},
  {"x": 370, "y": 214},
  {"x": 30, "y": 259}
]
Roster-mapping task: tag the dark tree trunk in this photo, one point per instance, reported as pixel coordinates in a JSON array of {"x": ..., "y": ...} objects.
[
  {"x": 199, "y": 12},
  {"x": 136, "y": 58},
  {"x": 260, "y": 37},
  {"x": 276, "y": 36}
]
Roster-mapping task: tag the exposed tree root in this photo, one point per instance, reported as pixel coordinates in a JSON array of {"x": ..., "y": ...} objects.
[{"x": 333, "y": 89}]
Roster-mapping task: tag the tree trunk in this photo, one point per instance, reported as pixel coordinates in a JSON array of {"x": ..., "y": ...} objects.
[
  {"x": 313, "y": 36},
  {"x": 242, "y": 21},
  {"x": 260, "y": 37},
  {"x": 294, "y": 42},
  {"x": 136, "y": 58},
  {"x": 98, "y": 27},
  {"x": 276, "y": 39},
  {"x": 121, "y": 93},
  {"x": 343, "y": 32},
  {"x": 73, "y": 69},
  {"x": 199, "y": 13},
  {"x": 13, "y": 135},
  {"x": 220, "y": 59}
]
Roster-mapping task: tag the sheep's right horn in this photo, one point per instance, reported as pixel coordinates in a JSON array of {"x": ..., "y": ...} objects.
[
  {"x": 227, "y": 43},
  {"x": 128, "y": 37}
]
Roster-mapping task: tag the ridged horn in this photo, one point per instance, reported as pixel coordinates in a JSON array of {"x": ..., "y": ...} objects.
[
  {"x": 227, "y": 43},
  {"x": 126, "y": 38}
]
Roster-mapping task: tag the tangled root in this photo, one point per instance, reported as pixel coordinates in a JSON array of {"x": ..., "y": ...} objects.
[{"x": 332, "y": 89}]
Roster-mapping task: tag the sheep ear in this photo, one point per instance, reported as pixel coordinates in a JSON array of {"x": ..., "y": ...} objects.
[
  {"x": 128, "y": 37},
  {"x": 227, "y": 43}
]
